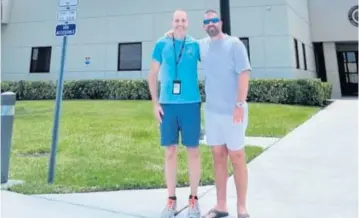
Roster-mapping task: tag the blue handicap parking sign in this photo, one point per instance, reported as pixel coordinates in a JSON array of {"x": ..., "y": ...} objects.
[{"x": 65, "y": 29}]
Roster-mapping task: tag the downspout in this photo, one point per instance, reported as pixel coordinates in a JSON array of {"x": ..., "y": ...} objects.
[{"x": 225, "y": 16}]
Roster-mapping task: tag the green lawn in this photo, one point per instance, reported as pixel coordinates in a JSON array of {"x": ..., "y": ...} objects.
[{"x": 109, "y": 145}]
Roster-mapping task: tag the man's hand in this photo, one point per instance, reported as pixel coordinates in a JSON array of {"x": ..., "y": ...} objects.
[
  {"x": 158, "y": 112},
  {"x": 169, "y": 33},
  {"x": 238, "y": 114}
]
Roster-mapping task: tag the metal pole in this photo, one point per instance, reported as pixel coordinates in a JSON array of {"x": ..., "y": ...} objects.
[
  {"x": 8, "y": 100},
  {"x": 55, "y": 129},
  {"x": 225, "y": 16}
]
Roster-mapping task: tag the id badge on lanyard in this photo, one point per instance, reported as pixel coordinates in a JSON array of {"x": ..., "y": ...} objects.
[
  {"x": 176, "y": 90},
  {"x": 176, "y": 85}
]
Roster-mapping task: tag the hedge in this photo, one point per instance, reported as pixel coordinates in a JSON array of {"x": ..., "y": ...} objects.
[{"x": 310, "y": 92}]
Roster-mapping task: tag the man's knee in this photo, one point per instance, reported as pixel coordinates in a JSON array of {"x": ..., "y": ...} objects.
[
  {"x": 171, "y": 152},
  {"x": 219, "y": 152},
  {"x": 237, "y": 157},
  {"x": 193, "y": 153}
]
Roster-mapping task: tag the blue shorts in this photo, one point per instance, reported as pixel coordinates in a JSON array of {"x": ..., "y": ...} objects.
[{"x": 184, "y": 118}]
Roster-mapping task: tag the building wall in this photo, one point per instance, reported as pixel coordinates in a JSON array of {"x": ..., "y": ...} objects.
[
  {"x": 5, "y": 10},
  {"x": 331, "y": 65},
  {"x": 299, "y": 28},
  {"x": 100, "y": 28},
  {"x": 270, "y": 26},
  {"x": 264, "y": 23},
  {"x": 330, "y": 24},
  {"x": 329, "y": 21}
]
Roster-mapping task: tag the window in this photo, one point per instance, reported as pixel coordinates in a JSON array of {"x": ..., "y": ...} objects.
[
  {"x": 40, "y": 60},
  {"x": 296, "y": 53},
  {"x": 320, "y": 61},
  {"x": 245, "y": 41},
  {"x": 129, "y": 56},
  {"x": 304, "y": 57}
]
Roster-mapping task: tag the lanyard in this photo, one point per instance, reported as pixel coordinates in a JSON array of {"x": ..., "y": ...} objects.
[{"x": 179, "y": 55}]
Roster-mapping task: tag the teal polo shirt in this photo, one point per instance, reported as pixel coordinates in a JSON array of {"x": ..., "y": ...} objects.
[{"x": 187, "y": 69}]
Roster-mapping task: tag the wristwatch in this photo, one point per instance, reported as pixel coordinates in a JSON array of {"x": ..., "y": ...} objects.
[{"x": 240, "y": 104}]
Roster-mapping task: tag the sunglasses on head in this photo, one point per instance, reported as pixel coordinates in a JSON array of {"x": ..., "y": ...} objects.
[{"x": 213, "y": 20}]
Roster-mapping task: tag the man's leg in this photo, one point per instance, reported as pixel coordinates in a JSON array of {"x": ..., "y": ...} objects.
[
  {"x": 220, "y": 154},
  {"x": 235, "y": 137},
  {"x": 169, "y": 139},
  {"x": 238, "y": 159},
  {"x": 171, "y": 169},
  {"x": 189, "y": 120},
  {"x": 215, "y": 138},
  {"x": 194, "y": 169}
]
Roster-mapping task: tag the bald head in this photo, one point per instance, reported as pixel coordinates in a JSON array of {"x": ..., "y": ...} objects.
[
  {"x": 180, "y": 22},
  {"x": 179, "y": 13}
]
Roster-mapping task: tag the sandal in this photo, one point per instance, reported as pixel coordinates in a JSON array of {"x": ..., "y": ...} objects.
[
  {"x": 216, "y": 214},
  {"x": 241, "y": 215}
]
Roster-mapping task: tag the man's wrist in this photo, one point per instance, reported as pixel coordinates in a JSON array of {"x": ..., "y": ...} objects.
[{"x": 240, "y": 104}]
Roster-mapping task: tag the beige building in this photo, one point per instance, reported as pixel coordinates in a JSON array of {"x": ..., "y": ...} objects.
[{"x": 114, "y": 38}]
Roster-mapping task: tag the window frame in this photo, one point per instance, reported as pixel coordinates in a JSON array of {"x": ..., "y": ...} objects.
[
  {"x": 47, "y": 68},
  {"x": 246, "y": 45},
  {"x": 304, "y": 56},
  {"x": 121, "y": 68},
  {"x": 296, "y": 51}
]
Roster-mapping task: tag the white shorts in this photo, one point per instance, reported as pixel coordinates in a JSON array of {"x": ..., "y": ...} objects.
[{"x": 220, "y": 130}]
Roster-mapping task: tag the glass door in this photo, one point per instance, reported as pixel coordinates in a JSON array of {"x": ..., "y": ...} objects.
[{"x": 348, "y": 72}]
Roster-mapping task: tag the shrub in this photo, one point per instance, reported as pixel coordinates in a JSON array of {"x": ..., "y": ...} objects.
[{"x": 311, "y": 92}]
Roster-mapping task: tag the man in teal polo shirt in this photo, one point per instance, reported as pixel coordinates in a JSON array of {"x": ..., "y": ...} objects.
[{"x": 178, "y": 108}]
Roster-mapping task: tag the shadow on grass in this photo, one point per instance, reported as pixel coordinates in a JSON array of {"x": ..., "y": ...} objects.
[{"x": 38, "y": 152}]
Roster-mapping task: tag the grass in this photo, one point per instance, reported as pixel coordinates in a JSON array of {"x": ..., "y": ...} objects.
[{"x": 111, "y": 145}]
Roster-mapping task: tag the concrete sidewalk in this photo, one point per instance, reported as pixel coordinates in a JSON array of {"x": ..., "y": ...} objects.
[
  {"x": 15, "y": 205},
  {"x": 137, "y": 203},
  {"x": 310, "y": 173}
]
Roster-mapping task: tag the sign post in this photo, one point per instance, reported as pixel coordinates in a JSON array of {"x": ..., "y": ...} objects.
[
  {"x": 8, "y": 100},
  {"x": 64, "y": 28}
]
